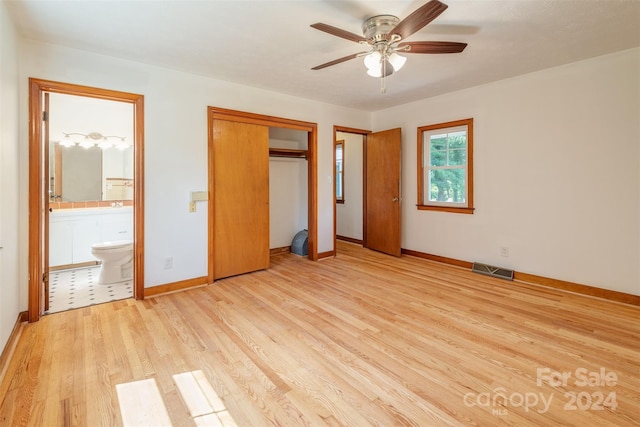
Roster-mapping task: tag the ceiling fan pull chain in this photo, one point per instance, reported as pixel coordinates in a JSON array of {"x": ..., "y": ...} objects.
[{"x": 383, "y": 86}]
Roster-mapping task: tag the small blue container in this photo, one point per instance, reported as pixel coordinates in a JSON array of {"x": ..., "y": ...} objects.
[{"x": 300, "y": 243}]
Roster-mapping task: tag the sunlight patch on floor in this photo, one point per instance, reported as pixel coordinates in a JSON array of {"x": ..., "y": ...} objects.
[
  {"x": 141, "y": 402},
  {"x": 203, "y": 402}
]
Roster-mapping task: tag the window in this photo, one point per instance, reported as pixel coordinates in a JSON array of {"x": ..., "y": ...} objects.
[
  {"x": 340, "y": 171},
  {"x": 445, "y": 167}
]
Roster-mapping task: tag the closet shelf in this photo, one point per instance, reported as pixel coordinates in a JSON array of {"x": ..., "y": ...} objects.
[{"x": 287, "y": 152}]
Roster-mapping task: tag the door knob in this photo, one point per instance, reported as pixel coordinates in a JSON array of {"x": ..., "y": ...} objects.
[{"x": 395, "y": 199}]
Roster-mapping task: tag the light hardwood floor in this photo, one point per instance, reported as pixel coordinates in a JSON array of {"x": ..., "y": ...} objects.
[{"x": 357, "y": 340}]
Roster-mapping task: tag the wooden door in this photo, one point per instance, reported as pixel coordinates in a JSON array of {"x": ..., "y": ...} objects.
[
  {"x": 240, "y": 198},
  {"x": 382, "y": 192}
]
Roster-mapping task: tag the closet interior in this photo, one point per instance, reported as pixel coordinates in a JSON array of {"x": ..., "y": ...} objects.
[{"x": 288, "y": 186}]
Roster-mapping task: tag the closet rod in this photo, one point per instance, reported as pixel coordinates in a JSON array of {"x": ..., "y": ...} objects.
[{"x": 287, "y": 152}]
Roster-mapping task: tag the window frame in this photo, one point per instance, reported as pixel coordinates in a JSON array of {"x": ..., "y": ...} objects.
[
  {"x": 339, "y": 171},
  {"x": 422, "y": 168}
]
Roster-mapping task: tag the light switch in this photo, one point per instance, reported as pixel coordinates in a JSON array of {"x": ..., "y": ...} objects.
[{"x": 197, "y": 196}]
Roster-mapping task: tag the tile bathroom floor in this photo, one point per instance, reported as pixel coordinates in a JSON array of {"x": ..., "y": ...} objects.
[{"x": 78, "y": 287}]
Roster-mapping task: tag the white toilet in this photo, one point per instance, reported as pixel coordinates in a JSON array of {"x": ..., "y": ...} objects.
[{"x": 117, "y": 261}]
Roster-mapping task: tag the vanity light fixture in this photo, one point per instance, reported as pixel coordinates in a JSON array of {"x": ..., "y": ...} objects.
[
  {"x": 105, "y": 143},
  {"x": 122, "y": 145},
  {"x": 86, "y": 143},
  {"x": 67, "y": 141},
  {"x": 95, "y": 138}
]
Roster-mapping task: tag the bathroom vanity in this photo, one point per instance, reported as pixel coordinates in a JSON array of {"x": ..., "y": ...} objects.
[{"x": 73, "y": 231}]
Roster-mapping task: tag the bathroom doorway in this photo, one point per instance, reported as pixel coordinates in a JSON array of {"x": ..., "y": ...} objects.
[
  {"x": 86, "y": 181},
  {"x": 90, "y": 148}
]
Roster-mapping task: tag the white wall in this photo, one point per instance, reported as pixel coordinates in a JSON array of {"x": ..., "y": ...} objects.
[
  {"x": 349, "y": 213},
  {"x": 176, "y": 146},
  {"x": 11, "y": 276},
  {"x": 557, "y": 161},
  {"x": 288, "y": 200}
]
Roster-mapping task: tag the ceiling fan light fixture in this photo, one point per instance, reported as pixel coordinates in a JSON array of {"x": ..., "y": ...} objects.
[
  {"x": 375, "y": 72},
  {"x": 397, "y": 61},
  {"x": 385, "y": 36},
  {"x": 383, "y": 70},
  {"x": 372, "y": 61},
  {"x": 379, "y": 65}
]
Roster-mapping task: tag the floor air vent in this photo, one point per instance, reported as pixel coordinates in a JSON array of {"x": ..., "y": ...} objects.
[{"x": 490, "y": 270}]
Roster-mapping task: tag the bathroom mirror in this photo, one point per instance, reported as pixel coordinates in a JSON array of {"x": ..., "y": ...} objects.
[{"x": 79, "y": 174}]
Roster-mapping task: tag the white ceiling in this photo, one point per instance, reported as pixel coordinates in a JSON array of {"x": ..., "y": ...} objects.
[{"x": 269, "y": 44}]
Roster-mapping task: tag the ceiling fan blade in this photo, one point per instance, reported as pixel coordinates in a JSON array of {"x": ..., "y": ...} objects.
[
  {"x": 434, "y": 47},
  {"x": 338, "y": 32},
  {"x": 419, "y": 18},
  {"x": 339, "y": 60}
]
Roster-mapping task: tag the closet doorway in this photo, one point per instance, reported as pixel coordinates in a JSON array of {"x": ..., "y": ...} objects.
[
  {"x": 239, "y": 189},
  {"x": 78, "y": 201}
]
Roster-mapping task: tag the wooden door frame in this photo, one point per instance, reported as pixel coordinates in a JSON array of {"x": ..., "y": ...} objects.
[
  {"x": 46, "y": 225},
  {"x": 36, "y": 205},
  {"x": 312, "y": 168},
  {"x": 365, "y": 133}
]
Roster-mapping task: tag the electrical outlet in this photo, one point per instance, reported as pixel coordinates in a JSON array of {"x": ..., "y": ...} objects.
[
  {"x": 192, "y": 207},
  {"x": 168, "y": 263},
  {"x": 504, "y": 251}
]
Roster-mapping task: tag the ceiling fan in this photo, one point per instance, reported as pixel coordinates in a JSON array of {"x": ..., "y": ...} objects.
[{"x": 384, "y": 35}]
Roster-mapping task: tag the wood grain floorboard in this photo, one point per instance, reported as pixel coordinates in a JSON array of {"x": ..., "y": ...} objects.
[{"x": 362, "y": 339}]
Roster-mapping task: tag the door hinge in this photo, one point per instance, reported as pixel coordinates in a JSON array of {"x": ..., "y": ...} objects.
[
  {"x": 45, "y": 277},
  {"x": 45, "y": 116}
]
